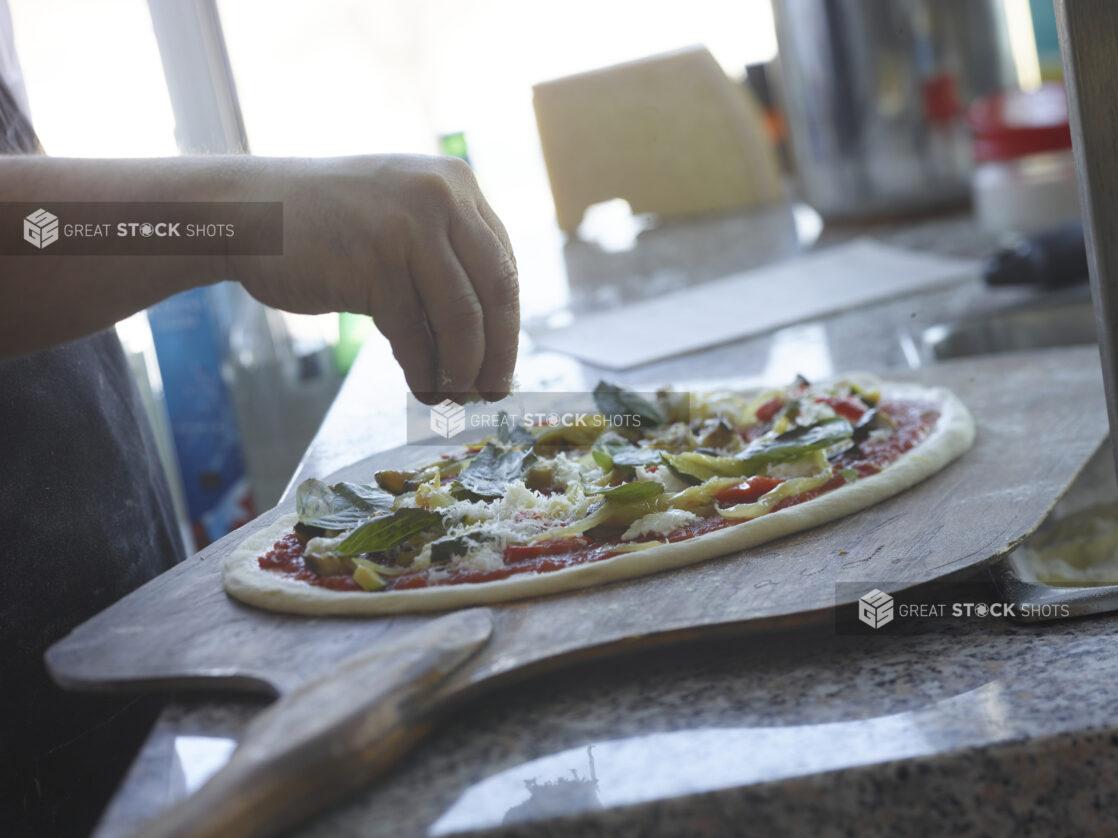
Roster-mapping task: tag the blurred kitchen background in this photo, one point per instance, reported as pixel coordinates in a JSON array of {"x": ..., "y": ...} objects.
[{"x": 874, "y": 109}]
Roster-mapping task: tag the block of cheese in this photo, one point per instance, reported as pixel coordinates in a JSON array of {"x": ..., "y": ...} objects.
[{"x": 670, "y": 134}]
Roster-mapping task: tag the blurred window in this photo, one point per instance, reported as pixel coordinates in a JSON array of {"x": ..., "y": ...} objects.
[
  {"x": 94, "y": 78},
  {"x": 371, "y": 76}
]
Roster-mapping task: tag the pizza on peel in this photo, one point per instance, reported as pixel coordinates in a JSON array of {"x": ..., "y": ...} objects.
[{"x": 641, "y": 487}]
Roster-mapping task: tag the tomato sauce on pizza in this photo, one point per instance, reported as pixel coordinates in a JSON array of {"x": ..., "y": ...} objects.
[{"x": 540, "y": 501}]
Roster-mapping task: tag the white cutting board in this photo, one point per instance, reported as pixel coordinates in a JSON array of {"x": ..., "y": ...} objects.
[{"x": 837, "y": 279}]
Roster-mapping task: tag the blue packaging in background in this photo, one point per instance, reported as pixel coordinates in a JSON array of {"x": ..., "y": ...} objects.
[{"x": 190, "y": 332}]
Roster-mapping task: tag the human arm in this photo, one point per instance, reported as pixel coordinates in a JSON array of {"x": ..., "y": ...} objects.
[{"x": 407, "y": 239}]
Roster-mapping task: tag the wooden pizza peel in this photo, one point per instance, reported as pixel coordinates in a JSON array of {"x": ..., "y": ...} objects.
[{"x": 355, "y": 693}]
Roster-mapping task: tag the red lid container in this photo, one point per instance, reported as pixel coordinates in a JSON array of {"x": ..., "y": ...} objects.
[{"x": 1016, "y": 123}]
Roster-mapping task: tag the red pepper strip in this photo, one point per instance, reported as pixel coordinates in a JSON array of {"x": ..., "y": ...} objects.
[
  {"x": 749, "y": 491},
  {"x": 517, "y": 553},
  {"x": 804, "y": 497},
  {"x": 769, "y": 409},
  {"x": 851, "y": 409}
]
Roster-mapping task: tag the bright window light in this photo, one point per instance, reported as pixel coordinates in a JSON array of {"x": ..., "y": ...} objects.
[
  {"x": 94, "y": 78},
  {"x": 374, "y": 76}
]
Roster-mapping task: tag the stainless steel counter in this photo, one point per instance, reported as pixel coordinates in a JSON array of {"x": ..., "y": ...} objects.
[{"x": 965, "y": 727}]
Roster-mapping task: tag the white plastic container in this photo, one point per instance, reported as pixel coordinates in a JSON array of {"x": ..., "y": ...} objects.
[{"x": 1024, "y": 178}]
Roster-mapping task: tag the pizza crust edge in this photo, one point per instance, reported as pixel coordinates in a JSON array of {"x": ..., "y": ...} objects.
[{"x": 953, "y": 435}]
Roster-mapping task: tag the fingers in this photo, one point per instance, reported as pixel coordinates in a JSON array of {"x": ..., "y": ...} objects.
[
  {"x": 482, "y": 248},
  {"x": 410, "y": 337},
  {"x": 454, "y": 314},
  {"x": 496, "y": 226},
  {"x": 444, "y": 284}
]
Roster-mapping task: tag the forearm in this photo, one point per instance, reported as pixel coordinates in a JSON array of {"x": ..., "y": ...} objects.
[
  {"x": 407, "y": 239},
  {"x": 48, "y": 298}
]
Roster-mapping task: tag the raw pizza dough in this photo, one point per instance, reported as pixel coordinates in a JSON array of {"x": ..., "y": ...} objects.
[{"x": 953, "y": 435}]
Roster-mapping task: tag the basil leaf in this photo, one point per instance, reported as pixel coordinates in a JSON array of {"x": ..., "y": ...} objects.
[
  {"x": 632, "y": 409},
  {"x": 626, "y": 492},
  {"x": 365, "y": 494},
  {"x": 318, "y": 505},
  {"x": 512, "y": 433},
  {"x": 521, "y": 436},
  {"x": 603, "y": 455},
  {"x": 388, "y": 531},
  {"x": 793, "y": 444},
  {"x": 493, "y": 469},
  {"x": 612, "y": 449}
]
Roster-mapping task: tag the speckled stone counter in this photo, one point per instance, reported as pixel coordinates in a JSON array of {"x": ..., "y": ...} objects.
[
  {"x": 985, "y": 729},
  {"x": 977, "y": 727}
]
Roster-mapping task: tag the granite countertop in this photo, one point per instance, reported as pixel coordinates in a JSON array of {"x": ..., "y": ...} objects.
[{"x": 964, "y": 726}]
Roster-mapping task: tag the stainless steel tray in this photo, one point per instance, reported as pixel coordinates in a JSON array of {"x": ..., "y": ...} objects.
[{"x": 1034, "y": 601}]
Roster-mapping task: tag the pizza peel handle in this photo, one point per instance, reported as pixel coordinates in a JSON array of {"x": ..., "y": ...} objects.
[
  {"x": 1088, "y": 49},
  {"x": 330, "y": 736}
]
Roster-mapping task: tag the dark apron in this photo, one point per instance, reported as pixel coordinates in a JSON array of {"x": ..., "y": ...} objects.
[{"x": 85, "y": 517}]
